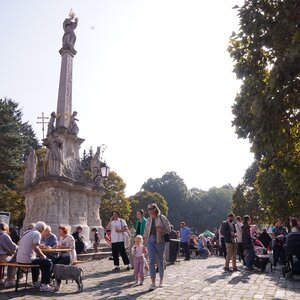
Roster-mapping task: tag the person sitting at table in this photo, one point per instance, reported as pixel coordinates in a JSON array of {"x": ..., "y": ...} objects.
[
  {"x": 29, "y": 252},
  {"x": 66, "y": 241},
  {"x": 79, "y": 244},
  {"x": 203, "y": 251},
  {"x": 193, "y": 244},
  {"x": 7, "y": 250},
  {"x": 49, "y": 240}
]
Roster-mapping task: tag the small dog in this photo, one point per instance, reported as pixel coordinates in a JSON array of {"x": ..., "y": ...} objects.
[{"x": 64, "y": 272}]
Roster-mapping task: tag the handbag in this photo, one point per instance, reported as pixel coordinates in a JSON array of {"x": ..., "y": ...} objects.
[{"x": 166, "y": 235}]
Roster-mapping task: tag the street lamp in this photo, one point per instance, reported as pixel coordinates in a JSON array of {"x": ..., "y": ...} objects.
[{"x": 104, "y": 170}]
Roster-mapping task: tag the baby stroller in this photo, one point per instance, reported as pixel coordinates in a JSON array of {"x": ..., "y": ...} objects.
[
  {"x": 261, "y": 258},
  {"x": 292, "y": 266}
]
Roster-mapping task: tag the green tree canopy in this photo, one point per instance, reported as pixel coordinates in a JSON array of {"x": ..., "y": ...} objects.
[
  {"x": 114, "y": 199},
  {"x": 141, "y": 200},
  {"x": 246, "y": 200},
  {"x": 174, "y": 190},
  {"x": 266, "y": 55},
  {"x": 16, "y": 138},
  {"x": 206, "y": 210}
]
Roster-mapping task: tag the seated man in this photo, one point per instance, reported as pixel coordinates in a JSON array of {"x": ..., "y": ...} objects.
[
  {"x": 29, "y": 252},
  {"x": 49, "y": 240},
  {"x": 7, "y": 251},
  {"x": 201, "y": 247}
]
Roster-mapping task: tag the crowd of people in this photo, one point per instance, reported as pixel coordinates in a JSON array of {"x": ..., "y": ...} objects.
[
  {"x": 238, "y": 237},
  {"x": 143, "y": 248},
  {"x": 28, "y": 249}
]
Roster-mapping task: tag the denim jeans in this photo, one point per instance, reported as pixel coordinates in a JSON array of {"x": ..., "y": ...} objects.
[
  {"x": 46, "y": 269},
  {"x": 156, "y": 254},
  {"x": 249, "y": 257}
]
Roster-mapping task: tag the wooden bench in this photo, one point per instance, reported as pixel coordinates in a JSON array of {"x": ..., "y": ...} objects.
[
  {"x": 76, "y": 262},
  {"x": 20, "y": 268}
]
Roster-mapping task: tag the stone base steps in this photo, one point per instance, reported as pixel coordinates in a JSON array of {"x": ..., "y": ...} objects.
[{"x": 91, "y": 255}]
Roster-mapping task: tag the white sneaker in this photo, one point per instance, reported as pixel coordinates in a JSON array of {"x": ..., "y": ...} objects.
[
  {"x": 9, "y": 284},
  {"x": 46, "y": 288},
  {"x": 152, "y": 287}
]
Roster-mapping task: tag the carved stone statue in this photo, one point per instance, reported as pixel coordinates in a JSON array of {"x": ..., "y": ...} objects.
[
  {"x": 69, "y": 38},
  {"x": 54, "y": 157},
  {"x": 51, "y": 123},
  {"x": 95, "y": 167},
  {"x": 73, "y": 128},
  {"x": 30, "y": 171}
]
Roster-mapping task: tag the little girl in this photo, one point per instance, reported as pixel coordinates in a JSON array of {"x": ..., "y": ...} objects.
[{"x": 139, "y": 251}]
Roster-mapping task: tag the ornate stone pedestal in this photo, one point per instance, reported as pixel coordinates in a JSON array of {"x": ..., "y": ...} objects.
[{"x": 58, "y": 200}]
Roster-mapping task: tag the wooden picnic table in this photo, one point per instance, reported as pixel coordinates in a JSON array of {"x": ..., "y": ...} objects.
[{"x": 55, "y": 250}]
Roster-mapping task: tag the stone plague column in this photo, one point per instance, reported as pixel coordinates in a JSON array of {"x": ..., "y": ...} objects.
[{"x": 61, "y": 193}]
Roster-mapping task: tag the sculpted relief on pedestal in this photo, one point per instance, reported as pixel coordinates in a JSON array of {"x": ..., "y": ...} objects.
[
  {"x": 78, "y": 208},
  {"x": 94, "y": 205},
  {"x": 29, "y": 204}
]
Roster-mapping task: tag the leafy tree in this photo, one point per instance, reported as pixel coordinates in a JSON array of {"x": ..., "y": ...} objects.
[
  {"x": 16, "y": 139},
  {"x": 216, "y": 204},
  {"x": 278, "y": 202},
  {"x": 114, "y": 199},
  {"x": 246, "y": 199},
  {"x": 13, "y": 202},
  {"x": 174, "y": 190},
  {"x": 266, "y": 56},
  {"x": 141, "y": 200}
]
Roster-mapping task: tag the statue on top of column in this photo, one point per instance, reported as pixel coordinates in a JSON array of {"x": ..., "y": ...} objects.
[
  {"x": 51, "y": 126},
  {"x": 73, "y": 127},
  {"x": 69, "y": 38}
]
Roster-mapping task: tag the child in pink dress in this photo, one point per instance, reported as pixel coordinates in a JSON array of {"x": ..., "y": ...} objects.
[{"x": 139, "y": 251}]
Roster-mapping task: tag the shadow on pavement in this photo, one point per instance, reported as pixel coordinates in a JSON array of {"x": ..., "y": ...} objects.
[
  {"x": 215, "y": 266},
  {"x": 220, "y": 276},
  {"x": 244, "y": 278},
  {"x": 9, "y": 294}
]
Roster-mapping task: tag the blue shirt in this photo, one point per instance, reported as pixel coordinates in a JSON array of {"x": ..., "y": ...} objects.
[
  {"x": 200, "y": 245},
  {"x": 50, "y": 241},
  {"x": 184, "y": 234}
]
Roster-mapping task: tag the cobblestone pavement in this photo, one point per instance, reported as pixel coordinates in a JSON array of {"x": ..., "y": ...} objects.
[{"x": 195, "y": 279}]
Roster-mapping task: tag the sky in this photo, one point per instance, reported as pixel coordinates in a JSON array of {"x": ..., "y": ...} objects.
[{"x": 152, "y": 80}]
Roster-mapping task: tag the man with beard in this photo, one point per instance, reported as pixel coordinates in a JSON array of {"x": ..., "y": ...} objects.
[{"x": 228, "y": 230}]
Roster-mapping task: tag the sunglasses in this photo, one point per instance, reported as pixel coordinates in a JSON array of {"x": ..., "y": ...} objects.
[{"x": 150, "y": 208}]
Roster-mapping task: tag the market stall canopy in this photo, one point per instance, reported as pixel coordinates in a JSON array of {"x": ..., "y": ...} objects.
[{"x": 208, "y": 233}]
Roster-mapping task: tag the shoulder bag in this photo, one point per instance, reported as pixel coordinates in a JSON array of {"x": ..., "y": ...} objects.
[{"x": 166, "y": 235}]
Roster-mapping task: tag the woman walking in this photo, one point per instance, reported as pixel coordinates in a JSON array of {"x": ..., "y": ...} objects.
[{"x": 157, "y": 226}]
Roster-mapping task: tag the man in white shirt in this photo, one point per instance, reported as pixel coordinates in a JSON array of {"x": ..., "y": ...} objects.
[
  {"x": 119, "y": 230},
  {"x": 29, "y": 252},
  {"x": 240, "y": 249}
]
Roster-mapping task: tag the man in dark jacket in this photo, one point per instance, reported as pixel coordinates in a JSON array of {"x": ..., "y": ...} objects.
[{"x": 228, "y": 230}]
